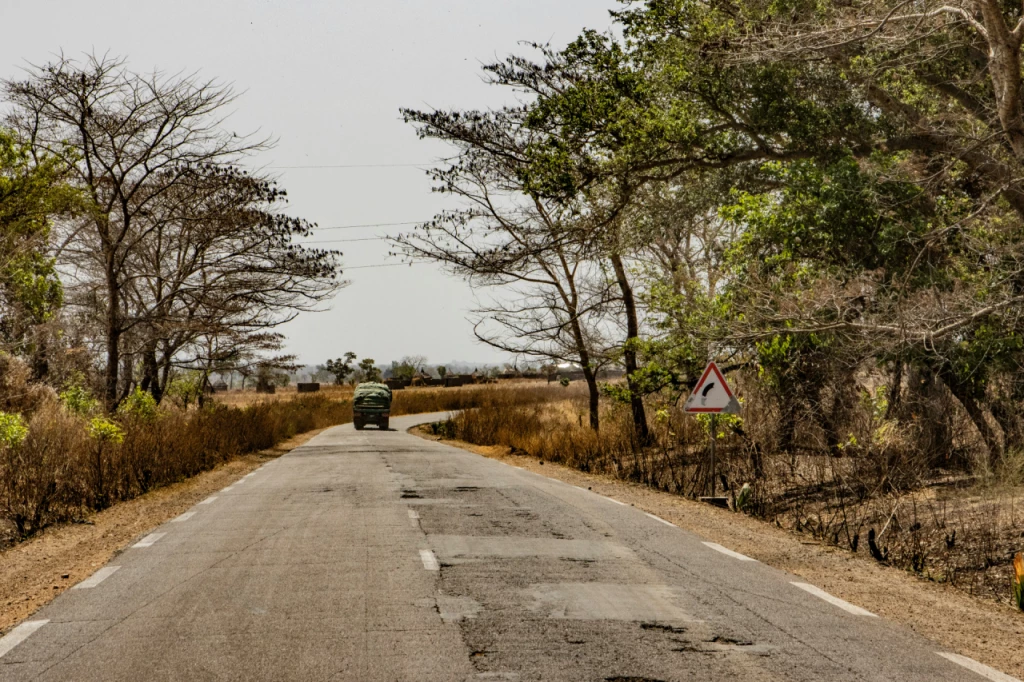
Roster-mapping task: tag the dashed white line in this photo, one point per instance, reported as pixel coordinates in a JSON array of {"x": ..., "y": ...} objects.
[
  {"x": 209, "y": 500},
  {"x": 980, "y": 668},
  {"x": 429, "y": 560},
  {"x": 658, "y": 518},
  {"x": 19, "y": 635},
  {"x": 835, "y": 601},
  {"x": 612, "y": 499},
  {"x": 414, "y": 518},
  {"x": 184, "y": 517},
  {"x": 96, "y": 578},
  {"x": 149, "y": 540},
  {"x": 728, "y": 552}
]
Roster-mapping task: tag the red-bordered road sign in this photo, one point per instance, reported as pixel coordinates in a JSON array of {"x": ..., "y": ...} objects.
[{"x": 712, "y": 394}]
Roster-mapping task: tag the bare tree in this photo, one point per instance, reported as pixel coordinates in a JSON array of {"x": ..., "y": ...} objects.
[
  {"x": 507, "y": 236},
  {"x": 136, "y": 143}
]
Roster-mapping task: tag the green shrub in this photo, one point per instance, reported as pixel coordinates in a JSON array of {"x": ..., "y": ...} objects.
[
  {"x": 78, "y": 400},
  {"x": 103, "y": 430},
  {"x": 13, "y": 430},
  {"x": 138, "y": 405}
]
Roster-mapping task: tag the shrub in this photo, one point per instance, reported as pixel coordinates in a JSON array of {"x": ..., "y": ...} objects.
[
  {"x": 12, "y": 430},
  {"x": 77, "y": 399},
  {"x": 103, "y": 430},
  {"x": 42, "y": 479},
  {"x": 138, "y": 405}
]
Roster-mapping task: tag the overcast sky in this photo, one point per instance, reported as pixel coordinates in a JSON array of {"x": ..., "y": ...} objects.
[{"x": 326, "y": 79}]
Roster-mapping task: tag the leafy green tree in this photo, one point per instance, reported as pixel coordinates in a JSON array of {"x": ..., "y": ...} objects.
[
  {"x": 32, "y": 193},
  {"x": 368, "y": 370},
  {"x": 341, "y": 368}
]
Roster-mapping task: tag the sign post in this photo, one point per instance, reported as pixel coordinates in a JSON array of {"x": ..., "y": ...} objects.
[{"x": 712, "y": 396}]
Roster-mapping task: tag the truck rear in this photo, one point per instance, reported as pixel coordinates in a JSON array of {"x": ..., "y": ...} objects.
[{"x": 371, "y": 404}]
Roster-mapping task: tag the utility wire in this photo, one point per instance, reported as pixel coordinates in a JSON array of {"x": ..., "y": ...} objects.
[
  {"x": 381, "y": 265},
  {"x": 360, "y": 239},
  {"x": 360, "y": 165},
  {"x": 353, "y": 227}
]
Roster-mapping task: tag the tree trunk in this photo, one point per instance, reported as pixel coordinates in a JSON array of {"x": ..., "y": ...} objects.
[
  {"x": 113, "y": 363},
  {"x": 895, "y": 391},
  {"x": 151, "y": 374},
  {"x": 591, "y": 378},
  {"x": 1006, "y": 414},
  {"x": 629, "y": 354},
  {"x": 975, "y": 412}
]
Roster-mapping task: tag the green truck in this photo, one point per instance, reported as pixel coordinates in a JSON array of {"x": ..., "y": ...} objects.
[{"x": 371, "y": 404}]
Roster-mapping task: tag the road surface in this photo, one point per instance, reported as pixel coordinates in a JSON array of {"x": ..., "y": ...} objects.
[{"x": 366, "y": 556}]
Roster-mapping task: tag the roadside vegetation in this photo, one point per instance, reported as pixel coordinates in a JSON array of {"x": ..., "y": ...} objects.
[
  {"x": 958, "y": 527},
  {"x": 826, "y": 199},
  {"x": 62, "y": 458}
]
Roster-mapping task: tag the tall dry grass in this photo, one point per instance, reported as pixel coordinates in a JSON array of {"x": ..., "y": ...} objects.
[
  {"x": 882, "y": 494},
  {"x": 59, "y": 472}
]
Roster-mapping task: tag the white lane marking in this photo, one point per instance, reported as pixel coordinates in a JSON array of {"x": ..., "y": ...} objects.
[
  {"x": 579, "y": 488},
  {"x": 728, "y": 552},
  {"x": 980, "y": 668},
  {"x": 184, "y": 517},
  {"x": 429, "y": 560},
  {"x": 414, "y": 518},
  {"x": 658, "y": 518},
  {"x": 149, "y": 540},
  {"x": 96, "y": 578},
  {"x": 228, "y": 489},
  {"x": 209, "y": 500},
  {"x": 612, "y": 499},
  {"x": 19, "y": 635},
  {"x": 835, "y": 601}
]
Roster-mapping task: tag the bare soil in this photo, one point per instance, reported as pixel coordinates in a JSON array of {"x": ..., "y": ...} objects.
[
  {"x": 34, "y": 572},
  {"x": 983, "y": 630}
]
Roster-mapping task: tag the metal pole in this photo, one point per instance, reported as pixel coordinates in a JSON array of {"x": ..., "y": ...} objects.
[{"x": 714, "y": 424}]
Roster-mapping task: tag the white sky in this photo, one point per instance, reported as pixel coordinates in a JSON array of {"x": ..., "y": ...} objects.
[{"x": 327, "y": 78}]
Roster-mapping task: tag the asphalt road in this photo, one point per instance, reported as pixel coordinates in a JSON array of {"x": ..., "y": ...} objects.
[{"x": 365, "y": 556}]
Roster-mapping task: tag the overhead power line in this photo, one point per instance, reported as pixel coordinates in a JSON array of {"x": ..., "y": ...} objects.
[
  {"x": 359, "y": 165},
  {"x": 381, "y": 265},
  {"x": 358, "y": 239},
  {"x": 353, "y": 227}
]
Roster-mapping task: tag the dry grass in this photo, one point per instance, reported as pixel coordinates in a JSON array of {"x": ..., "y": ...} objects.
[
  {"x": 956, "y": 527},
  {"x": 60, "y": 474},
  {"x": 239, "y": 398}
]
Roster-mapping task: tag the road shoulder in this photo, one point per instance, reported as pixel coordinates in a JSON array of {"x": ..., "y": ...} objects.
[
  {"x": 980, "y": 630},
  {"x": 36, "y": 571}
]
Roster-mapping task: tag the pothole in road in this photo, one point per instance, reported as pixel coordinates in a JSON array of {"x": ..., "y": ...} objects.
[
  {"x": 721, "y": 639},
  {"x": 411, "y": 495},
  {"x": 664, "y": 628},
  {"x": 631, "y": 679}
]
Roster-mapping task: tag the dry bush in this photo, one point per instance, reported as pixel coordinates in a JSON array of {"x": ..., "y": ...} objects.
[
  {"x": 886, "y": 491},
  {"x": 58, "y": 472},
  {"x": 44, "y": 479},
  {"x": 17, "y": 393}
]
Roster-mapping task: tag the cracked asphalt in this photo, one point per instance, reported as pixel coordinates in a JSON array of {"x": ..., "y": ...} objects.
[{"x": 365, "y": 556}]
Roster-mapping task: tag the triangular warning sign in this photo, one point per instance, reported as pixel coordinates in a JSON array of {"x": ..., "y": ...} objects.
[{"x": 712, "y": 394}]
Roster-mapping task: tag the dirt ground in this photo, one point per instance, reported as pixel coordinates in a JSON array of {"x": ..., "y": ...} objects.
[
  {"x": 34, "y": 572},
  {"x": 984, "y": 631}
]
